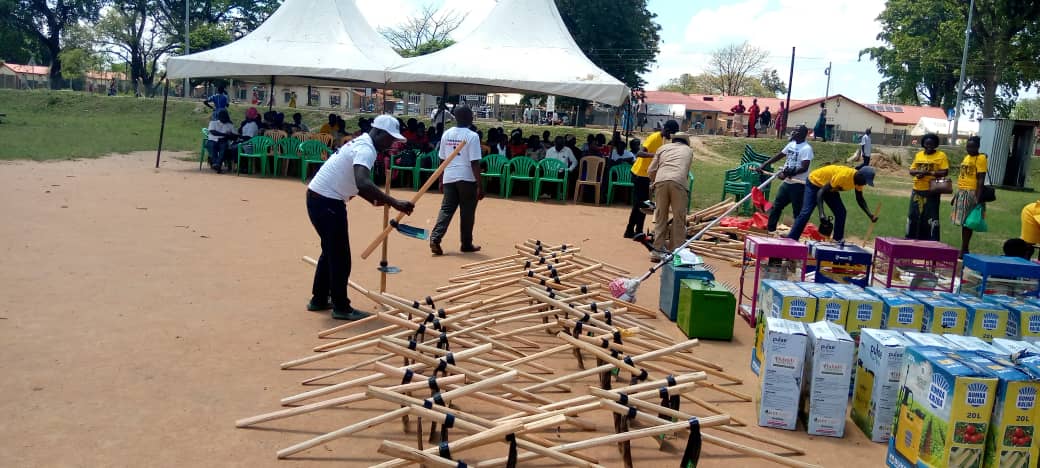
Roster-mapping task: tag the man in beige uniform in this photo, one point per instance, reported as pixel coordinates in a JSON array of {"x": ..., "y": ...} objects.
[{"x": 669, "y": 173}]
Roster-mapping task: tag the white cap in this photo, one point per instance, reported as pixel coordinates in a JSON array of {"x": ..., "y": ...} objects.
[{"x": 389, "y": 125}]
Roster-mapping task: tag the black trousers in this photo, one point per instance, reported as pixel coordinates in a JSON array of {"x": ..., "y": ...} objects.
[
  {"x": 787, "y": 194},
  {"x": 460, "y": 195},
  {"x": 640, "y": 193},
  {"x": 329, "y": 217},
  {"x": 922, "y": 221}
]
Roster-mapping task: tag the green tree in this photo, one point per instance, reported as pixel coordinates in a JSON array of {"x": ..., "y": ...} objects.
[
  {"x": 1027, "y": 109},
  {"x": 221, "y": 20},
  {"x": 46, "y": 21},
  {"x": 17, "y": 46},
  {"x": 771, "y": 81},
  {"x": 127, "y": 32},
  {"x": 691, "y": 84},
  {"x": 622, "y": 38},
  {"x": 923, "y": 41}
]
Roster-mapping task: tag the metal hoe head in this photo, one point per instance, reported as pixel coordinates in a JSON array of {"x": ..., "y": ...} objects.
[{"x": 410, "y": 231}]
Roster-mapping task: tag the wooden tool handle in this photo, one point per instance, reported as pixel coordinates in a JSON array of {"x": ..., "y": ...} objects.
[
  {"x": 870, "y": 230},
  {"x": 422, "y": 191}
]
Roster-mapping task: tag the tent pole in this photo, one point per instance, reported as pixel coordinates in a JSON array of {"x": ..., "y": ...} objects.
[
  {"x": 162, "y": 126},
  {"x": 444, "y": 102},
  {"x": 790, "y": 83},
  {"x": 270, "y": 96}
]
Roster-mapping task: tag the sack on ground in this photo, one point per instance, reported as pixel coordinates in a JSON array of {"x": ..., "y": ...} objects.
[
  {"x": 856, "y": 157},
  {"x": 976, "y": 220}
]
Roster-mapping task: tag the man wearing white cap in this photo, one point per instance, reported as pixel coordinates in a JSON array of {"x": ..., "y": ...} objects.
[{"x": 344, "y": 175}]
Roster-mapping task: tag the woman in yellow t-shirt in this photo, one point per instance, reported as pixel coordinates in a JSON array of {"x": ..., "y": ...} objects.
[
  {"x": 970, "y": 181},
  {"x": 923, "y": 219}
]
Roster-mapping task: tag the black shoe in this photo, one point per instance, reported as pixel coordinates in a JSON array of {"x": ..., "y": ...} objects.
[
  {"x": 435, "y": 247},
  {"x": 629, "y": 235},
  {"x": 317, "y": 306},
  {"x": 352, "y": 314},
  {"x": 470, "y": 248}
]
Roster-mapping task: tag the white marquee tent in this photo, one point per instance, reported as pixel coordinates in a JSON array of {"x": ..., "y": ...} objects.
[
  {"x": 517, "y": 33},
  {"x": 303, "y": 42}
]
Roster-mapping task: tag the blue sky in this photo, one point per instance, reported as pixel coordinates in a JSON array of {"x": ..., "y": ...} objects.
[{"x": 821, "y": 30}]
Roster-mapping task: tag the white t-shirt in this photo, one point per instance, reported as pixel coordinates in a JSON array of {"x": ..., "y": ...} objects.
[
  {"x": 865, "y": 143},
  {"x": 565, "y": 155},
  {"x": 796, "y": 153},
  {"x": 460, "y": 168},
  {"x": 225, "y": 128},
  {"x": 250, "y": 129},
  {"x": 435, "y": 118},
  {"x": 626, "y": 156},
  {"x": 335, "y": 178}
]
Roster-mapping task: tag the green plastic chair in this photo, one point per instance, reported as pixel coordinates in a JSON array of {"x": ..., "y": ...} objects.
[
  {"x": 619, "y": 176},
  {"x": 260, "y": 149},
  {"x": 550, "y": 170},
  {"x": 494, "y": 168},
  {"x": 286, "y": 149},
  {"x": 312, "y": 152},
  {"x": 739, "y": 182},
  {"x": 420, "y": 171},
  {"x": 412, "y": 170},
  {"x": 202, "y": 149},
  {"x": 522, "y": 169},
  {"x": 752, "y": 156}
]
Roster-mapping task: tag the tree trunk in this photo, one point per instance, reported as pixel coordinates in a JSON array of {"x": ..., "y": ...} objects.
[
  {"x": 989, "y": 93},
  {"x": 54, "y": 46}
]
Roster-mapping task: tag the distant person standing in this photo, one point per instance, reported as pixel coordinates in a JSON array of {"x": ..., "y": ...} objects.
[
  {"x": 781, "y": 120},
  {"x": 820, "y": 129},
  {"x": 764, "y": 120},
  {"x": 292, "y": 100},
  {"x": 738, "y": 117},
  {"x": 641, "y": 114},
  {"x": 641, "y": 178},
  {"x": 753, "y": 111},
  {"x": 799, "y": 156},
  {"x": 459, "y": 182},
  {"x": 864, "y": 148},
  {"x": 217, "y": 102}
]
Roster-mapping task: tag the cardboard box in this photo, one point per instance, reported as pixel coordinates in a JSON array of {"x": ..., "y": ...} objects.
[
  {"x": 784, "y": 299},
  {"x": 944, "y": 411},
  {"x": 970, "y": 343},
  {"x": 828, "y": 372},
  {"x": 1007, "y": 347},
  {"x": 780, "y": 299},
  {"x": 864, "y": 309},
  {"x": 1013, "y": 425},
  {"x": 941, "y": 315},
  {"x": 986, "y": 320},
  {"x": 1023, "y": 321},
  {"x": 780, "y": 382},
  {"x": 878, "y": 366},
  {"x": 830, "y": 306},
  {"x": 900, "y": 312},
  {"x": 929, "y": 339}
]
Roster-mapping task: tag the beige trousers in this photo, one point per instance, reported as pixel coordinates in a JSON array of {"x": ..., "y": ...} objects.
[{"x": 671, "y": 199}]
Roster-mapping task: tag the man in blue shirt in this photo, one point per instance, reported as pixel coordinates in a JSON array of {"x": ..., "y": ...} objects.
[{"x": 217, "y": 102}]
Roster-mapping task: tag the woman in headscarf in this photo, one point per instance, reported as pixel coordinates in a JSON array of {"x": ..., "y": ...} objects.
[{"x": 923, "y": 219}]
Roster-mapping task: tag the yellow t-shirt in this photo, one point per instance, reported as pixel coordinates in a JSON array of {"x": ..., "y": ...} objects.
[
  {"x": 840, "y": 178},
  {"x": 936, "y": 161},
  {"x": 1031, "y": 223},
  {"x": 642, "y": 165},
  {"x": 971, "y": 167}
]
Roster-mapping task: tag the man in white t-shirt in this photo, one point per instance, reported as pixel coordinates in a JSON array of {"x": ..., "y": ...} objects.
[
  {"x": 864, "y": 147},
  {"x": 460, "y": 182},
  {"x": 799, "y": 156},
  {"x": 220, "y": 133},
  {"x": 344, "y": 175}
]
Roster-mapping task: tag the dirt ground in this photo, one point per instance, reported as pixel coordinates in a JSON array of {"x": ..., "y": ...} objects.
[{"x": 142, "y": 312}]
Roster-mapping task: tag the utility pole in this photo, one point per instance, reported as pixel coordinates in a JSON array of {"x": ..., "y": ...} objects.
[
  {"x": 827, "y": 72},
  {"x": 964, "y": 66},
  {"x": 187, "y": 48}
]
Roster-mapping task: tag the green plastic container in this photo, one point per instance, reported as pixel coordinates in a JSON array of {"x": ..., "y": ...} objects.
[{"x": 706, "y": 310}]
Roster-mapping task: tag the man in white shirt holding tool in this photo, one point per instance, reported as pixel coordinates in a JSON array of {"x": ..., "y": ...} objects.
[
  {"x": 796, "y": 169},
  {"x": 344, "y": 175},
  {"x": 460, "y": 182}
]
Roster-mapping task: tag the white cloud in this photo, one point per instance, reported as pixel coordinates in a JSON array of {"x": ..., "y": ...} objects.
[{"x": 821, "y": 30}]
